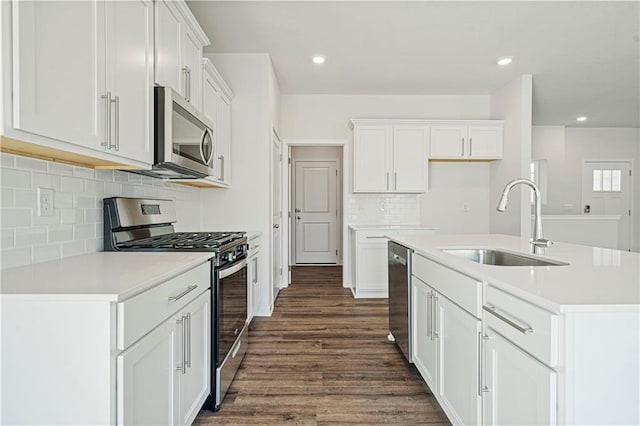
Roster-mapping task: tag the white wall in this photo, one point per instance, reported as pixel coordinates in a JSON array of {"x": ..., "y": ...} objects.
[
  {"x": 77, "y": 225},
  {"x": 327, "y": 117},
  {"x": 566, "y": 149},
  {"x": 512, "y": 104},
  {"x": 245, "y": 206}
]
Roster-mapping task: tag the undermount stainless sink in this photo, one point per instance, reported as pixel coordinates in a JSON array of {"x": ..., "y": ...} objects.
[{"x": 500, "y": 258}]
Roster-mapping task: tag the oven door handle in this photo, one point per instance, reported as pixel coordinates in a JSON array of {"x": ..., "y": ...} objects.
[{"x": 224, "y": 273}]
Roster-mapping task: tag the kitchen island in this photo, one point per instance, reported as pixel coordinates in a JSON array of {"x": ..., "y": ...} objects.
[{"x": 527, "y": 344}]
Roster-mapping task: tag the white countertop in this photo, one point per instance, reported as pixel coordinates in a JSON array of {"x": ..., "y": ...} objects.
[
  {"x": 596, "y": 279},
  {"x": 109, "y": 276},
  {"x": 390, "y": 227},
  {"x": 253, "y": 234}
]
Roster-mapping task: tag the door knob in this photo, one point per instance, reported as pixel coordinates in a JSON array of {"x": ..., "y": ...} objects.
[
  {"x": 298, "y": 217},
  {"x": 298, "y": 210},
  {"x": 276, "y": 226}
]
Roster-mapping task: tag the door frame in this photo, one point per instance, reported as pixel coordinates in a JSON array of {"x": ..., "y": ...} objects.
[
  {"x": 286, "y": 228},
  {"x": 632, "y": 198},
  {"x": 293, "y": 197},
  {"x": 275, "y": 139}
]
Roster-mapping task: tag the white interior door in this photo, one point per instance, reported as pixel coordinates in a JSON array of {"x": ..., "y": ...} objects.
[
  {"x": 316, "y": 211},
  {"x": 276, "y": 216},
  {"x": 606, "y": 189}
]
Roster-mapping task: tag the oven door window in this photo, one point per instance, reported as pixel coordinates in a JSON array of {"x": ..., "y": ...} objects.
[
  {"x": 191, "y": 138},
  {"x": 232, "y": 309}
]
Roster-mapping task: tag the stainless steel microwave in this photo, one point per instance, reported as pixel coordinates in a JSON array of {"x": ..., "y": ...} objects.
[{"x": 184, "y": 139}]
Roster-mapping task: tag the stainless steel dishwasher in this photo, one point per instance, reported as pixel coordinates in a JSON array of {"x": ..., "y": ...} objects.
[{"x": 399, "y": 261}]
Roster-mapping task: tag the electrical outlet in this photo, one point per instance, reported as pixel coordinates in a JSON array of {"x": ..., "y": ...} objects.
[{"x": 45, "y": 202}]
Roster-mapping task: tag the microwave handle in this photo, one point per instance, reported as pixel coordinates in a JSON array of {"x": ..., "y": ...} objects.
[{"x": 204, "y": 136}]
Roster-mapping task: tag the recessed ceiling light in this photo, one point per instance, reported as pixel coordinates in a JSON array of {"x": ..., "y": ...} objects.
[
  {"x": 318, "y": 59},
  {"x": 583, "y": 118},
  {"x": 505, "y": 60}
]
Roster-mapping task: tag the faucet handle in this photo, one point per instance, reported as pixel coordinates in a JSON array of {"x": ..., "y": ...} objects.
[{"x": 541, "y": 242}]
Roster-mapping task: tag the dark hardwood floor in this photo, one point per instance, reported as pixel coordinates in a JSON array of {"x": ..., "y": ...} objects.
[{"x": 323, "y": 358}]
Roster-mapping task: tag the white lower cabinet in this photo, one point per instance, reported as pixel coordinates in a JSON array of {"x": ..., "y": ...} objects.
[
  {"x": 519, "y": 389},
  {"x": 253, "y": 277},
  {"x": 457, "y": 333},
  {"x": 164, "y": 378},
  {"x": 446, "y": 352}
]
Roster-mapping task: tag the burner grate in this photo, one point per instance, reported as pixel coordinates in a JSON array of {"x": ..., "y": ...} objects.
[{"x": 184, "y": 240}]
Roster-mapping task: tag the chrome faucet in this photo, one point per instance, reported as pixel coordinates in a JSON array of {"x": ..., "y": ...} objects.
[{"x": 537, "y": 242}]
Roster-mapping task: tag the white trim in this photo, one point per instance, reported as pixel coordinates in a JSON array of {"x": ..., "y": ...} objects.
[
  {"x": 420, "y": 122},
  {"x": 217, "y": 78},
  {"x": 192, "y": 22},
  {"x": 287, "y": 144}
]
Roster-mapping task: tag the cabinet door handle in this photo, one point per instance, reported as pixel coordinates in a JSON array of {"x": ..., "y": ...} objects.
[
  {"x": 470, "y": 147},
  {"x": 221, "y": 158},
  {"x": 435, "y": 316},
  {"x": 429, "y": 316},
  {"x": 185, "y": 334},
  {"x": 180, "y": 367},
  {"x": 524, "y": 329},
  {"x": 185, "y": 72},
  {"x": 107, "y": 120},
  {"x": 462, "y": 146},
  {"x": 255, "y": 270},
  {"x": 481, "y": 363},
  {"x": 188, "y": 345},
  {"x": 184, "y": 293},
  {"x": 395, "y": 181},
  {"x": 387, "y": 181},
  {"x": 116, "y": 101}
]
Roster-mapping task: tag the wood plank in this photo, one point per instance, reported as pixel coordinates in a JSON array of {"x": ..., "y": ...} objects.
[{"x": 323, "y": 358}]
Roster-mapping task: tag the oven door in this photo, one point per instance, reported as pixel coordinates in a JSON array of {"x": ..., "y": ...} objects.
[{"x": 231, "y": 306}]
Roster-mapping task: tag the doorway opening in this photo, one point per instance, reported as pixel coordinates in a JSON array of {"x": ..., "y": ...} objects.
[{"x": 315, "y": 200}]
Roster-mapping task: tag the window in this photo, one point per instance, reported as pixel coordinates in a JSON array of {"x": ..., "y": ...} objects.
[{"x": 607, "y": 180}]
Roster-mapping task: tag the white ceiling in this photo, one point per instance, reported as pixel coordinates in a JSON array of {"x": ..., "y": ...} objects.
[{"x": 584, "y": 56}]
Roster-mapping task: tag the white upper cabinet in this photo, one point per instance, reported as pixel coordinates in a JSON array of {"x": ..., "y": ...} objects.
[
  {"x": 389, "y": 158},
  {"x": 216, "y": 106},
  {"x": 130, "y": 77},
  {"x": 59, "y": 70},
  {"x": 466, "y": 141},
  {"x": 168, "y": 28},
  {"x": 371, "y": 158},
  {"x": 178, "y": 44},
  {"x": 83, "y": 75}
]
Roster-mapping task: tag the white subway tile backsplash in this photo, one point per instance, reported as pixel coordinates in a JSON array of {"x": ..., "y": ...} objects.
[
  {"x": 76, "y": 226},
  {"x": 81, "y": 201},
  {"x": 7, "y": 236},
  {"x": 71, "y": 184},
  {"x": 11, "y": 178},
  {"x": 60, "y": 233},
  {"x": 42, "y": 180},
  {"x": 72, "y": 248},
  {"x": 384, "y": 209},
  {"x": 31, "y": 236},
  {"x": 71, "y": 216},
  {"x": 59, "y": 169},
  {"x": 84, "y": 232},
  {"x": 12, "y": 258},
  {"x": 25, "y": 199},
  {"x": 6, "y": 201},
  {"x": 62, "y": 200},
  {"x": 14, "y": 218},
  {"x": 46, "y": 253},
  {"x": 31, "y": 164}
]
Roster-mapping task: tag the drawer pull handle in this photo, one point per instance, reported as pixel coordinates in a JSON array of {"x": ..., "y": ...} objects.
[
  {"x": 524, "y": 329},
  {"x": 235, "y": 351},
  {"x": 184, "y": 293},
  {"x": 373, "y": 237}
]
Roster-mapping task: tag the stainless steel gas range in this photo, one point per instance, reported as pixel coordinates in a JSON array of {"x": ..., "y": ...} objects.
[{"x": 133, "y": 224}]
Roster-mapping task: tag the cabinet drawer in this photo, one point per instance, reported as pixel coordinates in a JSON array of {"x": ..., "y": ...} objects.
[
  {"x": 140, "y": 314},
  {"x": 463, "y": 290},
  {"x": 532, "y": 328},
  {"x": 254, "y": 246},
  {"x": 372, "y": 236}
]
